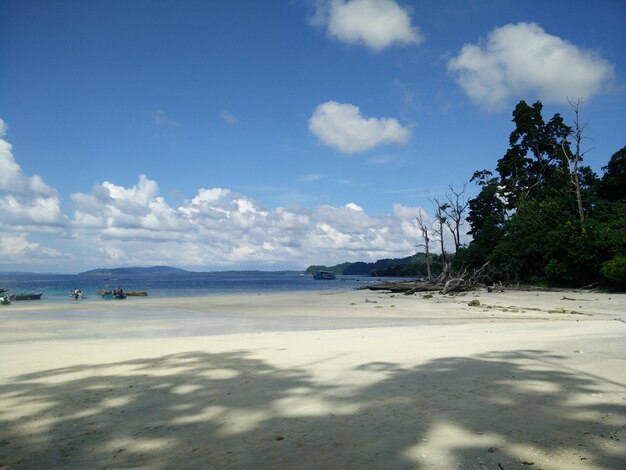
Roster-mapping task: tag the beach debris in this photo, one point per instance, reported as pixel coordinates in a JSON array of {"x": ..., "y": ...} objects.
[
  {"x": 474, "y": 303},
  {"x": 445, "y": 283}
]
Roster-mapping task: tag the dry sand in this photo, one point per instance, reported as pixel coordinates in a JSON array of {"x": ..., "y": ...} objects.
[{"x": 525, "y": 380}]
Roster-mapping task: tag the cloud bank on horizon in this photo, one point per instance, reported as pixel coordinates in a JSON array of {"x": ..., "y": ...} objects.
[
  {"x": 217, "y": 227},
  {"x": 220, "y": 228}
]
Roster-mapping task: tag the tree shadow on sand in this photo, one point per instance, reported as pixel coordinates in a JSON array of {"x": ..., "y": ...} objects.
[{"x": 230, "y": 410}]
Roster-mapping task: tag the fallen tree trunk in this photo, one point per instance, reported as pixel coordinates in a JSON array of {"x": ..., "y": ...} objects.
[{"x": 445, "y": 284}]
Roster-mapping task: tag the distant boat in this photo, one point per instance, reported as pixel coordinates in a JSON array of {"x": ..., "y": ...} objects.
[
  {"x": 128, "y": 294},
  {"x": 77, "y": 294},
  {"x": 324, "y": 276},
  {"x": 113, "y": 294},
  {"x": 28, "y": 296}
]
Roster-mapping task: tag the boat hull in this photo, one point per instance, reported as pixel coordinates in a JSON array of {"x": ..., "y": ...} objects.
[
  {"x": 324, "y": 276},
  {"x": 36, "y": 296}
]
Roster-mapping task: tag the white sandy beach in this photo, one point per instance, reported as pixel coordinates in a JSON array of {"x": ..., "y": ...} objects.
[{"x": 363, "y": 380}]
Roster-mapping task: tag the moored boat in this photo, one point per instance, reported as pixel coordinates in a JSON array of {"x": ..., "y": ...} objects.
[
  {"x": 113, "y": 294},
  {"x": 27, "y": 296},
  {"x": 77, "y": 294},
  {"x": 128, "y": 294},
  {"x": 324, "y": 276},
  {"x": 5, "y": 299}
]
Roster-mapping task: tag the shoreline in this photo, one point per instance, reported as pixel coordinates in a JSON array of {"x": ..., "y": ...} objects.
[{"x": 373, "y": 380}]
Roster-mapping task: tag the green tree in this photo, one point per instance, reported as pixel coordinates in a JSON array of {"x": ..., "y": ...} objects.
[
  {"x": 612, "y": 187},
  {"x": 544, "y": 216}
]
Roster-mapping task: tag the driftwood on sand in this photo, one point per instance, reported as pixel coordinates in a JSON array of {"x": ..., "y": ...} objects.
[{"x": 444, "y": 283}]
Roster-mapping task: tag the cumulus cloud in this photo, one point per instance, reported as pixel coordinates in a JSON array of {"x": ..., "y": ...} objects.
[
  {"x": 25, "y": 200},
  {"x": 377, "y": 24},
  {"x": 521, "y": 59},
  {"x": 341, "y": 126},
  {"x": 217, "y": 227},
  {"x": 137, "y": 211},
  {"x": 14, "y": 245}
]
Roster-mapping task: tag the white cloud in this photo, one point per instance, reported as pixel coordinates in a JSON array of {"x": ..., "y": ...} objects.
[
  {"x": 210, "y": 195},
  {"x": 521, "y": 59},
  {"x": 16, "y": 246},
  {"x": 217, "y": 228},
  {"x": 354, "y": 207},
  {"x": 228, "y": 118},
  {"x": 25, "y": 200},
  {"x": 341, "y": 126},
  {"x": 377, "y": 24},
  {"x": 136, "y": 211}
]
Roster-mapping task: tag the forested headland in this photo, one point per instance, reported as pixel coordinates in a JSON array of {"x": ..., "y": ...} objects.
[{"x": 542, "y": 217}]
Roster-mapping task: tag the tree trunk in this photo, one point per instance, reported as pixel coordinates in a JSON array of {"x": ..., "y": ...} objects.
[{"x": 424, "y": 228}]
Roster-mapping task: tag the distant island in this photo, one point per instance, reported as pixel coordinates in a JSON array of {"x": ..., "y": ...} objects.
[
  {"x": 135, "y": 271},
  {"x": 409, "y": 266},
  {"x": 167, "y": 271}
]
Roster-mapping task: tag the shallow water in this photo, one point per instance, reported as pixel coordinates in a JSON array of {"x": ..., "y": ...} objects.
[{"x": 56, "y": 287}]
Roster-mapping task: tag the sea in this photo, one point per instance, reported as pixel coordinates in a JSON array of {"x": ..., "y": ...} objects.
[{"x": 56, "y": 287}]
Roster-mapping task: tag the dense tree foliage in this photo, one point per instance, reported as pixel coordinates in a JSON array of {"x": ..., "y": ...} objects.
[
  {"x": 410, "y": 266},
  {"x": 537, "y": 221}
]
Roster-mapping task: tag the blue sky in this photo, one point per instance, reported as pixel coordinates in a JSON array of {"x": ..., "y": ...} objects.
[{"x": 278, "y": 134}]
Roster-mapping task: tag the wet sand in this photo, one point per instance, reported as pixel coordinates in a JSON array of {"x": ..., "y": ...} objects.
[{"x": 316, "y": 380}]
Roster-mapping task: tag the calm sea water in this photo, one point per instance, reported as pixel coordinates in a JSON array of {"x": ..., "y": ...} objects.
[{"x": 56, "y": 287}]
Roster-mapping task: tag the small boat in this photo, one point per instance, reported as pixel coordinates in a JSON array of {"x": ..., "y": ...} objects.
[
  {"x": 324, "y": 276},
  {"x": 27, "y": 296},
  {"x": 113, "y": 294},
  {"x": 77, "y": 294},
  {"x": 136, "y": 294},
  {"x": 5, "y": 299}
]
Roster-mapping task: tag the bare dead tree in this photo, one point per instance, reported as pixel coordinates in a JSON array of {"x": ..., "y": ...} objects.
[
  {"x": 440, "y": 221},
  {"x": 572, "y": 160},
  {"x": 454, "y": 210},
  {"x": 423, "y": 226}
]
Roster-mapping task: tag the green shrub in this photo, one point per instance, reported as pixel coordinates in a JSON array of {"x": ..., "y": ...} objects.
[
  {"x": 614, "y": 271},
  {"x": 556, "y": 272}
]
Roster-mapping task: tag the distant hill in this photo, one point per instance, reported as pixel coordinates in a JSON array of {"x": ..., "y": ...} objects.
[{"x": 135, "y": 271}]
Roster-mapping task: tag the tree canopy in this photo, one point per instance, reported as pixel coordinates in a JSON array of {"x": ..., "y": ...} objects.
[{"x": 545, "y": 217}]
